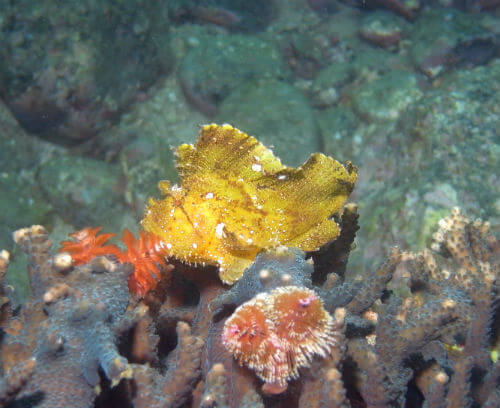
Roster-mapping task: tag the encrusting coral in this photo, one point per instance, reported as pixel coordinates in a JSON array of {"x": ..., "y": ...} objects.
[{"x": 416, "y": 331}]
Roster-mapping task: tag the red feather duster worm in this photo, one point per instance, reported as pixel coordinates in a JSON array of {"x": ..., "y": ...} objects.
[
  {"x": 277, "y": 333},
  {"x": 145, "y": 254},
  {"x": 87, "y": 244}
]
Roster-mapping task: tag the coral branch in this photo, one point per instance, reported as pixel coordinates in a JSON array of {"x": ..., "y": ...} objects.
[
  {"x": 5, "y": 309},
  {"x": 214, "y": 389},
  {"x": 325, "y": 377},
  {"x": 174, "y": 388},
  {"x": 34, "y": 241},
  {"x": 68, "y": 327},
  {"x": 15, "y": 380},
  {"x": 374, "y": 284}
]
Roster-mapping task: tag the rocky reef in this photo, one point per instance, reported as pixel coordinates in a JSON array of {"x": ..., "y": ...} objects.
[{"x": 420, "y": 330}]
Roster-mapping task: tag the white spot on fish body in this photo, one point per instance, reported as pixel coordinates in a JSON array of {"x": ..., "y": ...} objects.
[{"x": 219, "y": 230}]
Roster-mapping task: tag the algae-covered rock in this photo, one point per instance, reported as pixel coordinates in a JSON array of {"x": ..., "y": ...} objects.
[
  {"x": 21, "y": 201},
  {"x": 400, "y": 213},
  {"x": 219, "y": 64},
  {"x": 18, "y": 150},
  {"x": 327, "y": 85},
  {"x": 143, "y": 140},
  {"x": 442, "y": 153},
  {"x": 145, "y": 162},
  {"x": 337, "y": 126},
  {"x": 278, "y": 114},
  {"x": 21, "y": 204},
  {"x": 382, "y": 28},
  {"x": 443, "y": 38},
  {"x": 310, "y": 48},
  {"x": 84, "y": 191},
  {"x": 67, "y": 69},
  {"x": 454, "y": 136},
  {"x": 370, "y": 61},
  {"x": 236, "y": 15},
  {"x": 386, "y": 97}
]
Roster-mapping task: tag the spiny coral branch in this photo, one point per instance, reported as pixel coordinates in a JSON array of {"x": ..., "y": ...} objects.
[{"x": 171, "y": 390}]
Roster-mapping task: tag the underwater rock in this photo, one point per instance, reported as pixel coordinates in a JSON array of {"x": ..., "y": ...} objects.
[
  {"x": 327, "y": 86},
  {"x": 404, "y": 8},
  {"x": 214, "y": 68},
  {"x": 382, "y": 29},
  {"x": 371, "y": 62},
  {"x": 442, "y": 38},
  {"x": 30, "y": 204},
  {"x": 59, "y": 63},
  {"x": 323, "y": 6},
  {"x": 21, "y": 198},
  {"x": 84, "y": 191},
  {"x": 455, "y": 124},
  {"x": 235, "y": 15},
  {"x": 310, "y": 48},
  {"x": 386, "y": 97},
  {"x": 142, "y": 141},
  {"x": 285, "y": 120},
  {"x": 442, "y": 152},
  {"x": 337, "y": 126}
]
